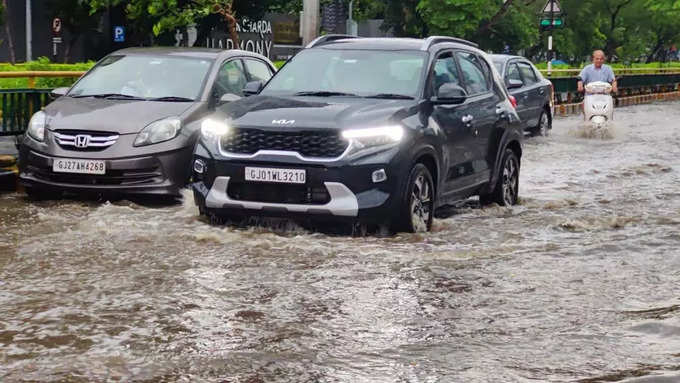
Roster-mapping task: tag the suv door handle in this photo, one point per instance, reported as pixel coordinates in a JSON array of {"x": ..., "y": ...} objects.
[{"x": 467, "y": 119}]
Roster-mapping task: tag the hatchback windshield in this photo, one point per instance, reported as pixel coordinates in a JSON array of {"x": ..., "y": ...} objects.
[
  {"x": 146, "y": 77},
  {"x": 354, "y": 72}
]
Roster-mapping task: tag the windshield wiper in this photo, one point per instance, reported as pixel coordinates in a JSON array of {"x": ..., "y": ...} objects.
[
  {"x": 110, "y": 95},
  {"x": 172, "y": 98},
  {"x": 395, "y": 96},
  {"x": 323, "y": 93}
]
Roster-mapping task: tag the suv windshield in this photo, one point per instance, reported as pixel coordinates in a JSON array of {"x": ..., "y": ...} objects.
[
  {"x": 340, "y": 72},
  {"x": 149, "y": 77}
]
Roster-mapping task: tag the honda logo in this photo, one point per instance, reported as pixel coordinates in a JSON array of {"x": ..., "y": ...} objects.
[{"x": 82, "y": 141}]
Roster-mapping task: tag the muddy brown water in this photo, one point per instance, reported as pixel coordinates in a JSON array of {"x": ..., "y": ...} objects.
[{"x": 579, "y": 283}]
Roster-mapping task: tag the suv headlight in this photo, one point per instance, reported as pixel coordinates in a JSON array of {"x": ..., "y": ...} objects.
[
  {"x": 212, "y": 130},
  {"x": 377, "y": 138},
  {"x": 159, "y": 131},
  {"x": 36, "y": 126}
]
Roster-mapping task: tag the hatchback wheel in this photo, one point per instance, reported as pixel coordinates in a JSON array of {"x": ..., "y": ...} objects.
[
  {"x": 544, "y": 125},
  {"x": 417, "y": 201},
  {"x": 506, "y": 190}
]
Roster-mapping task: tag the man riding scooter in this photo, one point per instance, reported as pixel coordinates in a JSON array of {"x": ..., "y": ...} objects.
[{"x": 598, "y": 81}]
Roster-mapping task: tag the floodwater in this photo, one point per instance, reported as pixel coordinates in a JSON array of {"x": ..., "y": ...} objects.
[{"x": 579, "y": 283}]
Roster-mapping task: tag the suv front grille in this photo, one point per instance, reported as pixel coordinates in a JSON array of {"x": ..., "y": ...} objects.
[
  {"x": 86, "y": 141},
  {"x": 316, "y": 144},
  {"x": 278, "y": 193}
]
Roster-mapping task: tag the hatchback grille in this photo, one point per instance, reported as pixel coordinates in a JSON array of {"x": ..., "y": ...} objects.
[
  {"x": 278, "y": 193},
  {"x": 316, "y": 144},
  {"x": 81, "y": 140}
]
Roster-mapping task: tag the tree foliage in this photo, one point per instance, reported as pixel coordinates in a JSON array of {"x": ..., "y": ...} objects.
[{"x": 628, "y": 30}]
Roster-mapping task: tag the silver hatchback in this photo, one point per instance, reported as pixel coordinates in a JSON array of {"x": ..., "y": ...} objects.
[{"x": 129, "y": 125}]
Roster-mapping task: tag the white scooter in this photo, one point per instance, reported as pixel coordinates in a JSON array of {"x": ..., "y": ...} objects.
[{"x": 598, "y": 106}]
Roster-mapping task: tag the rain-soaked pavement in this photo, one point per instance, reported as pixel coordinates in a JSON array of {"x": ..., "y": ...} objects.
[{"x": 581, "y": 282}]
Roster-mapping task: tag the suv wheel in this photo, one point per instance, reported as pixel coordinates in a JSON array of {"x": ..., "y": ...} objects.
[
  {"x": 506, "y": 190},
  {"x": 544, "y": 125},
  {"x": 417, "y": 201}
]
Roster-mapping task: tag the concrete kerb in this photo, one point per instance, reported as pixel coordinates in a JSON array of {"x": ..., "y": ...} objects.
[
  {"x": 564, "y": 110},
  {"x": 8, "y": 164}
]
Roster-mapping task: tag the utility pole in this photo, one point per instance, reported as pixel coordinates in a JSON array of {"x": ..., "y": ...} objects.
[
  {"x": 310, "y": 21},
  {"x": 29, "y": 32},
  {"x": 551, "y": 18}
]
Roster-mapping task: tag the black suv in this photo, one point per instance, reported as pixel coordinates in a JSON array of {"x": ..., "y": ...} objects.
[{"x": 372, "y": 130}]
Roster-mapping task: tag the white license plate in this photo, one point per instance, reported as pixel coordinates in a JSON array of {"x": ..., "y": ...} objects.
[
  {"x": 72, "y": 165},
  {"x": 286, "y": 176}
]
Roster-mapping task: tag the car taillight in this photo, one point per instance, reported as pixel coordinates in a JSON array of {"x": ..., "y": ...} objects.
[{"x": 513, "y": 101}]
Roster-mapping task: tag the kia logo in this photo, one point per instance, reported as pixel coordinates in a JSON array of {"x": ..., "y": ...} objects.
[{"x": 283, "y": 122}]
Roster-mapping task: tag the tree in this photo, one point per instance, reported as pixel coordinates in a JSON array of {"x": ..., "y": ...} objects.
[
  {"x": 8, "y": 32},
  {"x": 75, "y": 18}
]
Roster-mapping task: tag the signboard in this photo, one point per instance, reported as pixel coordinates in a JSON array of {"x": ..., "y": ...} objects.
[
  {"x": 253, "y": 35},
  {"x": 552, "y": 16},
  {"x": 119, "y": 34},
  {"x": 56, "y": 26},
  {"x": 552, "y": 6}
]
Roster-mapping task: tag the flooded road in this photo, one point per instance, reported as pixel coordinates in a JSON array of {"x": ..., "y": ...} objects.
[{"x": 580, "y": 282}]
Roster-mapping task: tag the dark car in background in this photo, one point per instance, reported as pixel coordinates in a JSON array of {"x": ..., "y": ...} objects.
[
  {"x": 129, "y": 125},
  {"x": 533, "y": 92},
  {"x": 379, "y": 131}
]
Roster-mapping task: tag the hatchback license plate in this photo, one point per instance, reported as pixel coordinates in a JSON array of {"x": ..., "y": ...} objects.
[
  {"x": 286, "y": 176},
  {"x": 72, "y": 165}
]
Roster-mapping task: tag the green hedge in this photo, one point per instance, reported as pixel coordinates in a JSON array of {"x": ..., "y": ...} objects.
[{"x": 42, "y": 64}]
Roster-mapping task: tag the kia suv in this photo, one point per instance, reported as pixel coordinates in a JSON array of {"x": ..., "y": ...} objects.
[{"x": 370, "y": 130}]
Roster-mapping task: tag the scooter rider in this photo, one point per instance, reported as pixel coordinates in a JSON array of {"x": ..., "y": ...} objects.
[{"x": 597, "y": 71}]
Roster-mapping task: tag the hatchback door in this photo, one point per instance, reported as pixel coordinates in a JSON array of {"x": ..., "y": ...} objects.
[
  {"x": 520, "y": 93},
  {"x": 534, "y": 91}
]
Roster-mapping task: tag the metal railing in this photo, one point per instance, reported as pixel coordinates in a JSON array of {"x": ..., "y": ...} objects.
[
  {"x": 18, "y": 105},
  {"x": 32, "y": 75},
  {"x": 617, "y": 71}
]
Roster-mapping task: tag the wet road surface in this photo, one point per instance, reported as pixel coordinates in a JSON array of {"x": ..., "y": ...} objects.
[{"x": 580, "y": 282}]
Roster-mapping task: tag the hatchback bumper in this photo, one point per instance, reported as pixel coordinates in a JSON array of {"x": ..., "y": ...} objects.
[{"x": 160, "y": 174}]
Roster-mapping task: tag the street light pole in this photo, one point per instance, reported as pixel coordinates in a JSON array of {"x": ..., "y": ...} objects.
[
  {"x": 550, "y": 38},
  {"x": 29, "y": 32}
]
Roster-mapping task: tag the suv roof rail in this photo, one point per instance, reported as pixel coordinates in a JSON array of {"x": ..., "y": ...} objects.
[
  {"x": 328, "y": 38},
  {"x": 430, "y": 41}
]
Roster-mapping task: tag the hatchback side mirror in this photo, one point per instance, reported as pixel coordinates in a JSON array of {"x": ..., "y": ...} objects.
[
  {"x": 229, "y": 97},
  {"x": 252, "y": 88},
  {"x": 58, "y": 92},
  {"x": 450, "y": 93},
  {"x": 512, "y": 84}
]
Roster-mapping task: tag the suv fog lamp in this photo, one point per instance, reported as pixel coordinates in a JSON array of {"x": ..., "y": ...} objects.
[
  {"x": 379, "y": 176},
  {"x": 199, "y": 166}
]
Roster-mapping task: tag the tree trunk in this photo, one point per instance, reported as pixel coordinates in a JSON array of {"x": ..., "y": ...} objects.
[
  {"x": 71, "y": 42},
  {"x": 8, "y": 32},
  {"x": 231, "y": 20}
]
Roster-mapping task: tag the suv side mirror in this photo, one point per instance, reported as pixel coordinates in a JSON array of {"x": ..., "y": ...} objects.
[
  {"x": 58, "y": 92},
  {"x": 450, "y": 93},
  {"x": 512, "y": 84},
  {"x": 253, "y": 87}
]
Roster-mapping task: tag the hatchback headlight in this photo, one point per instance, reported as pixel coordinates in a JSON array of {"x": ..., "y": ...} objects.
[
  {"x": 36, "y": 126},
  {"x": 374, "y": 138},
  {"x": 159, "y": 131}
]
